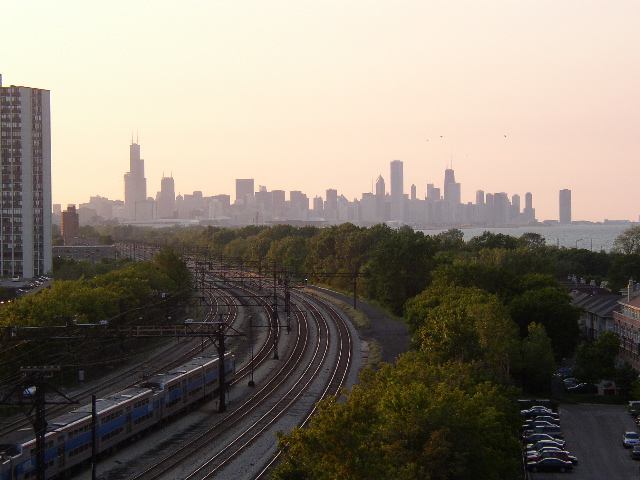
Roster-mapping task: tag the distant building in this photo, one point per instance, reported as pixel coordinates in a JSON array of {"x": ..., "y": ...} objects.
[
  {"x": 397, "y": 191},
  {"x": 565, "y": 206},
  {"x": 244, "y": 191},
  {"x": 529, "y": 213},
  {"x": 56, "y": 215},
  {"x": 451, "y": 188},
  {"x": 70, "y": 222},
  {"x": 331, "y": 204},
  {"x": 166, "y": 198},
  {"x": 135, "y": 183},
  {"x": 25, "y": 157},
  {"x": 380, "y": 199}
]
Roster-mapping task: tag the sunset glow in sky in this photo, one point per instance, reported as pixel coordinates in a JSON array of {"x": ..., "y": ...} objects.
[{"x": 308, "y": 95}]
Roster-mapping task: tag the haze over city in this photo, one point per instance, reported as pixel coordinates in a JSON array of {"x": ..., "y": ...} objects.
[{"x": 517, "y": 96}]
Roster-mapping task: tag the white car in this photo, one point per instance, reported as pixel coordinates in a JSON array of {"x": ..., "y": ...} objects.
[{"x": 629, "y": 439}]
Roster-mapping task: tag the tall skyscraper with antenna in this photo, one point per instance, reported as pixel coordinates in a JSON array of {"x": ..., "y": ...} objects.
[
  {"x": 25, "y": 128},
  {"x": 135, "y": 183}
]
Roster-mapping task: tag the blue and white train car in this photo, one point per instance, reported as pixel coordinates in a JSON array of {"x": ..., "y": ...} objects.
[
  {"x": 179, "y": 388},
  {"x": 120, "y": 416}
]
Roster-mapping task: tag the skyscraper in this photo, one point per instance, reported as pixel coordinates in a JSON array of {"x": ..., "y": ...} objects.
[
  {"x": 451, "y": 188},
  {"x": 245, "y": 189},
  {"x": 529, "y": 213},
  {"x": 135, "y": 183},
  {"x": 565, "y": 206},
  {"x": 166, "y": 198},
  {"x": 452, "y": 208},
  {"x": 331, "y": 204},
  {"x": 25, "y": 156},
  {"x": 380, "y": 198},
  {"x": 397, "y": 191}
]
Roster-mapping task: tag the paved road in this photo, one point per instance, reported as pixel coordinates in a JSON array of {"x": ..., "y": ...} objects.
[{"x": 594, "y": 434}]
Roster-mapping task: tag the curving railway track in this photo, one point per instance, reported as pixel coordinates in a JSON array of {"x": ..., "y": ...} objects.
[
  {"x": 292, "y": 371},
  {"x": 316, "y": 358}
]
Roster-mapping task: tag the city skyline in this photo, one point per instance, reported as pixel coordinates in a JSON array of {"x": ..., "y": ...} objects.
[
  {"x": 264, "y": 206},
  {"x": 516, "y": 97}
]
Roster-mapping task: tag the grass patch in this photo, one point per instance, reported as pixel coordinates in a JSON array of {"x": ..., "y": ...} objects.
[{"x": 357, "y": 317}]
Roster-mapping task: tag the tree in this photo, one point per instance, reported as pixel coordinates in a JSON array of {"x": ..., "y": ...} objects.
[
  {"x": 464, "y": 325},
  {"x": 174, "y": 268},
  {"x": 537, "y": 360},
  {"x": 532, "y": 240},
  {"x": 494, "y": 240},
  {"x": 550, "y": 307},
  {"x": 400, "y": 268},
  {"x": 628, "y": 242},
  {"x": 596, "y": 361},
  {"x": 406, "y": 422},
  {"x": 623, "y": 267}
]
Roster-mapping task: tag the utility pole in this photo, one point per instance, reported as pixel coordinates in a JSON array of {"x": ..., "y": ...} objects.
[{"x": 30, "y": 394}]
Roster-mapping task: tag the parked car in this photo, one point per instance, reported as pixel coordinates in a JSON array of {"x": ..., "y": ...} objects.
[
  {"x": 635, "y": 452},
  {"x": 552, "y": 452},
  {"x": 552, "y": 419},
  {"x": 629, "y": 439},
  {"x": 540, "y": 444},
  {"x": 554, "y": 430},
  {"x": 570, "y": 382},
  {"x": 535, "y": 411},
  {"x": 536, "y": 423},
  {"x": 550, "y": 465},
  {"x": 536, "y": 437}
]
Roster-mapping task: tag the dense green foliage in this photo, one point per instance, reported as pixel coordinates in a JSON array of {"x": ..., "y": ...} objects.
[
  {"x": 412, "y": 420},
  {"x": 119, "y": 293},
  {"x": 484, "y": 315}
]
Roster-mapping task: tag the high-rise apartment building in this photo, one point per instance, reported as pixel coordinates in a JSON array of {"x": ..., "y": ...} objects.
[
  {"x": 135, "y": 183},
  {"x": 565, "y": 206},
  {"x": 25, "y": 157},
  {"x": 397, "y": 190}
]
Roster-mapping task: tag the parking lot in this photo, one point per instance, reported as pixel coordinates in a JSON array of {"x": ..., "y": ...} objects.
[{"x": 594, "y": 434}]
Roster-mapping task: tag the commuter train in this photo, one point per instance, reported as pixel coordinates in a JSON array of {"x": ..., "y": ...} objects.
[{"x": 120, "y": 416}]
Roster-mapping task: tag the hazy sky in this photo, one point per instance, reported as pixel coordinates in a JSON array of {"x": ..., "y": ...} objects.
[{"x": 522, "y": 96}]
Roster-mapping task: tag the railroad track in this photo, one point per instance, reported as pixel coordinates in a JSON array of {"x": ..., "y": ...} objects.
[
  {"x": 241, "y": 443},
  {"x": 162, "y": 359}
]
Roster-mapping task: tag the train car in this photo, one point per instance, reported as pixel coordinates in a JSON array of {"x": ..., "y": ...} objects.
[
  {"x": 120, "y": 416},
  {"x": 183, "y": 386}
]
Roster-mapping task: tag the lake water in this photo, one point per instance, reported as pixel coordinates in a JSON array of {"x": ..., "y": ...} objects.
[{"x": 591, "y": 237}]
